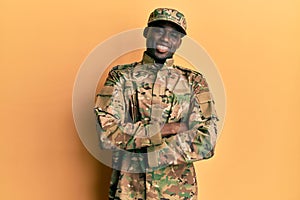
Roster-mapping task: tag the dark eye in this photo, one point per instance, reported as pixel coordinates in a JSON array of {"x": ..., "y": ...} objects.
[
  {"x": 174, "y": 35},
  {"x": 158, "y": 30}
]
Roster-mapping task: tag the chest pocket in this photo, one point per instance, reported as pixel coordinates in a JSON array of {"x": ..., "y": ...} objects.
[{"x": 132, "y": 105}]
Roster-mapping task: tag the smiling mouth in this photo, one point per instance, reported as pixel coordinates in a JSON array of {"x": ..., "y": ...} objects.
[{"x": 161, "y": 48}]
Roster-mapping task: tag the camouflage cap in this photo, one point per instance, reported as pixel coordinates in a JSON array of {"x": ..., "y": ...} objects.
[{"x": 168, "y": 14}]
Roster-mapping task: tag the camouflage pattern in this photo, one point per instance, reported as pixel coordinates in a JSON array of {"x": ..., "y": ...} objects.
[
  {"x": 134, "y": 104},
  {"x": 169, "y": 14}
]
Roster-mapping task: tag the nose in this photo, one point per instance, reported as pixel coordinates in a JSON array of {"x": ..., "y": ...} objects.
[{"x": 165, "y": 37}]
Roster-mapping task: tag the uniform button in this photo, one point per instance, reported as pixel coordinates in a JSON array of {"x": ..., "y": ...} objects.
[{"x": 146, "y": 120}]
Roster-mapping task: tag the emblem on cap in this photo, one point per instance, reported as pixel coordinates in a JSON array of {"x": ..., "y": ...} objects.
[{"x": 168, "y": 14}]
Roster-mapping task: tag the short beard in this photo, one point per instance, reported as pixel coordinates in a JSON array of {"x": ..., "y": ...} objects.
[{"x": 150, "y": 52}]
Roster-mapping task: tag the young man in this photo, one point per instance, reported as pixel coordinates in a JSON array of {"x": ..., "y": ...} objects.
[{"x": 157, "y": 118}]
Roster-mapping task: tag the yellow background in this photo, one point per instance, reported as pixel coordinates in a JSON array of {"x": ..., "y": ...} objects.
[{"x": 255, "y": 45}]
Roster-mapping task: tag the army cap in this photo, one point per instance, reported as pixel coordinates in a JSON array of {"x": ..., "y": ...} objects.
[{"x": 170, "y": 15}]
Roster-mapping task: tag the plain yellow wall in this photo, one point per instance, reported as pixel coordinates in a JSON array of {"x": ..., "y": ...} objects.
[{"x": 255, "y": 45}]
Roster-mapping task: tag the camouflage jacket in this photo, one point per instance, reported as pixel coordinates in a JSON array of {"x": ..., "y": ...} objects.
[{"x": 132, "y": 107}]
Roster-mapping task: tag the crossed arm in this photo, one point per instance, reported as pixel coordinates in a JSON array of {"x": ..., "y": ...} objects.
[{"x": 175, "y": 143}]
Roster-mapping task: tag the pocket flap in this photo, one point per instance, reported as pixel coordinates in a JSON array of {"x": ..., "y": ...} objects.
[{"x": 204, "y": 97}]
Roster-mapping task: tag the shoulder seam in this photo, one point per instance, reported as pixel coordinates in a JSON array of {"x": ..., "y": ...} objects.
[
  {"x": 123, "y": 67},
  {"x": 187, "y": 70}
]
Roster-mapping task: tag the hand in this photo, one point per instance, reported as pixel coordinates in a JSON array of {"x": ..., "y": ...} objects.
[{"x": 173, "y": 128}]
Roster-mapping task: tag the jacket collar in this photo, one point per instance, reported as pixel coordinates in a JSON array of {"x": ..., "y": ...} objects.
[{"x": 149, "y": 60}]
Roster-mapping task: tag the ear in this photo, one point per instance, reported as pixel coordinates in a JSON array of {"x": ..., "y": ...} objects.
[{"x": 145, "y": 33}]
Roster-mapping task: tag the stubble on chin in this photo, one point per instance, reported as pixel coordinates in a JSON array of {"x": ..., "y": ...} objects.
[{"x": 155, "y": 55}]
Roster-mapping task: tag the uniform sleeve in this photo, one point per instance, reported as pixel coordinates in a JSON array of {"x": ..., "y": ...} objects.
[
  {"x": 111, "y": 115},
  {"x": 198, "y": 142}
]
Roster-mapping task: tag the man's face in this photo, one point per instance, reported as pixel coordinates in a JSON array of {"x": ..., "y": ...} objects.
[{"x": 162, "y": 41}]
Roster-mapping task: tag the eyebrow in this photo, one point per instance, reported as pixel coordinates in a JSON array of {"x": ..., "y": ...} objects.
[{"x": 162, "y": 26}]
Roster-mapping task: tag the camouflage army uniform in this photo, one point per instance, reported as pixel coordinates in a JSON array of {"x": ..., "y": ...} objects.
[{"x": 135, "y": 102}]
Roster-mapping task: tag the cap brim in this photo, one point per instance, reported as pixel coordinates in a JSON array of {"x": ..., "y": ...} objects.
[{"x": 178, "y": 27}]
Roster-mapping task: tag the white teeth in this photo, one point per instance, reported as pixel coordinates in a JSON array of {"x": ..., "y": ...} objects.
[{"x": 163, "y": 48}]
